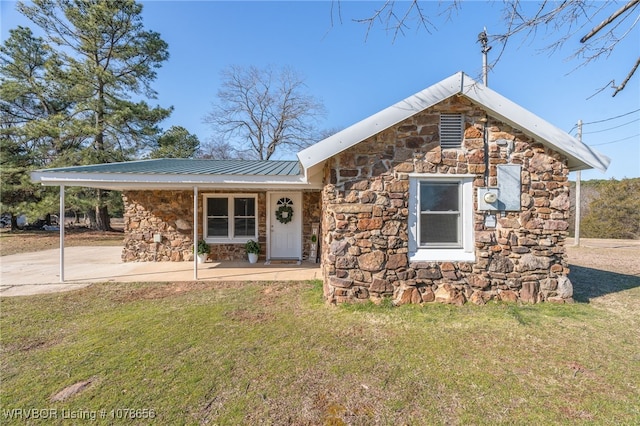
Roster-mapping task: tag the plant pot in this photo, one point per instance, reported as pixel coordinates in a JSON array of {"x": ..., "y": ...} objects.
[
  {"x": 202, "y": 258},
  {"x": 253, "y": 257}
]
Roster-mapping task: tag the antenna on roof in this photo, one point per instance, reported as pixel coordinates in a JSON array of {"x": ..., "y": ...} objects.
[{"x": 484, "y": 41}]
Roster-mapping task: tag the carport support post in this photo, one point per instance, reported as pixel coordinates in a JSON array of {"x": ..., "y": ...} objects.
[
  {"x": 61, "y": 225},
  {"x": 195, "y": 233}
]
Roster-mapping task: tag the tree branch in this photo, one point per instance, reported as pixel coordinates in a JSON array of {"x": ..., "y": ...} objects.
[
  {"x": 626, "y": 80},
  {"x": 609, "y": 20}
]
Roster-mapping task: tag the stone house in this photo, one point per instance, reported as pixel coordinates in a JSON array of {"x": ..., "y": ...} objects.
[{"x": 454, "y": 194}]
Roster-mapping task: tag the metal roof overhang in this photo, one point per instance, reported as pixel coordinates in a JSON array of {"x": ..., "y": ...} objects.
[
  {"x": 139, "y": 181},
  {"x": 379, "y": 121},
  {"x": 579, "y": 155}
]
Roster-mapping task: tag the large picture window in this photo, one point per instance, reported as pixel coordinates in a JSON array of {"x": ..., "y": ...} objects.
[
  {"x": 230, "y": 217},
  {"x": 441, "y": 218}
]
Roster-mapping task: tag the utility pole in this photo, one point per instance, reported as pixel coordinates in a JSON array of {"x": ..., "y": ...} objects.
[
  {"x": 484, "y": 41},
  {"x": 578, "y": 198}
]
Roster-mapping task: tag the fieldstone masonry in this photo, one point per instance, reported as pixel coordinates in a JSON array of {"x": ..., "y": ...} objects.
[
  {"x": 365, "y": 217},
  {"x": 170, "y": 213}
]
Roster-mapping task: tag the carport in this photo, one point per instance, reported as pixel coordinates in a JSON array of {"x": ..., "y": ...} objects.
[{"x": 193, "y": 175}]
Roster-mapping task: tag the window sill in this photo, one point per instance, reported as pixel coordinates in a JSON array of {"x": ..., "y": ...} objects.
[
  {"x": 442, "y": 255},
  {"x": 242, "y": 240}
]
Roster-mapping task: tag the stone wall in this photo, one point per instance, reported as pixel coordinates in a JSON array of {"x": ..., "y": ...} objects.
[
  {"x": 312, "y": 213},
  {"x": 365, "y": 217},
  {"x": 170, "y": 213}
]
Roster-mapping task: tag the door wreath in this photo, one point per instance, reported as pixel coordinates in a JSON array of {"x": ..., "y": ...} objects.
[{"x": 284, "y": 213}]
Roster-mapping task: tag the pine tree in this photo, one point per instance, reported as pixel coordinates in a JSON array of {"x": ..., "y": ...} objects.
[
  {"x": 104, "y": 56},
  {"x": 176, "y": 142},
  {"x": 615, "y": 213},
  {"x": 33, "y": 110}
]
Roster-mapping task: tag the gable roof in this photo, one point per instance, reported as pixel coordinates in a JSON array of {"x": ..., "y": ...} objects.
[
  {"x": 579, "y": 155},
  {"x": 176, "y": 173}
]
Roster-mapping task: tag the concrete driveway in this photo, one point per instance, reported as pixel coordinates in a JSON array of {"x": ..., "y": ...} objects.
[{"x": 39, "y": 272}]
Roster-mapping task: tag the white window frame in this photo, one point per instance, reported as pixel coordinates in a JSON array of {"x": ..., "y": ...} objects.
[
  {"x": 465, "y": 250},
  {"x": 230, "y": 239}
]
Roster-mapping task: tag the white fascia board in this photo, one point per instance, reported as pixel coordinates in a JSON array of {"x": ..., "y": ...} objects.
[
  {"x": 580, "y": 156},
  {"x": 123, "y": 181},
  {"x": 380, "y": 121}
]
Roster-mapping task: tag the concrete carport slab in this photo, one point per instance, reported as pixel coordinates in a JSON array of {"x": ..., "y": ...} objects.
[{"x": 39, "y": 272}]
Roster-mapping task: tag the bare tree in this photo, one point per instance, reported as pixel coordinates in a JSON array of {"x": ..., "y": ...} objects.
[
  {"x": 260, "y": 111},
  {"x": 216, "y": 149},
  {"x": 566, "y": 20}
]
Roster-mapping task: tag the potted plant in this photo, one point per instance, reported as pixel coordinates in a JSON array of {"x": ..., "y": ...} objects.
[
  {"x": 253, "y": 250},
  {"x": 203, "y": 251}
]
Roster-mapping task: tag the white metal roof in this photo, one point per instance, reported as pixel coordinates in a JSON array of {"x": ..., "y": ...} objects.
[{"x": 579, "y": 155}]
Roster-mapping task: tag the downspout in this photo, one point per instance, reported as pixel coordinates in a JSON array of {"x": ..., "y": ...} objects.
[
  {"x": 195, "y": 233},
  {"x": 61, "y": 225}
]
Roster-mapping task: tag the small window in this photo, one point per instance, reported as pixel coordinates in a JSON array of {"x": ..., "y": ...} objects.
[
  {"x": 441, "y": 217},
  {"x": 230, "y": 217},
  {"x": 451, "y": 130},
  {"x": 439, "y": 223}
]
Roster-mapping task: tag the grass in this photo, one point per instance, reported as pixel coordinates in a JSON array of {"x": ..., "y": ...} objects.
[
  {"x": 17, "y": 242},
  {"x": 274, "y": 353}
]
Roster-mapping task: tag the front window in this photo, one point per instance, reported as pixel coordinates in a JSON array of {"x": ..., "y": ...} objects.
[
  {"x": 441, "y": 218},
  {"x": 230, "y": 217}
]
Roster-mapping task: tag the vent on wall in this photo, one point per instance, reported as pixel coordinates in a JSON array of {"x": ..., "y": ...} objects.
[{"x": 451, "y": 130}]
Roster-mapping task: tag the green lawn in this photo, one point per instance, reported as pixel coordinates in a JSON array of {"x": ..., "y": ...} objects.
[{"x": 204, "y": 353}]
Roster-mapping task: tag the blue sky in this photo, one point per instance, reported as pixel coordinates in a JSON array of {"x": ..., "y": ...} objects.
[{"x": 356, "y": 75}]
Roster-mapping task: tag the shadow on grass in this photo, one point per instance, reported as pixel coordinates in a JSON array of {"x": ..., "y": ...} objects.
[{"x": 589, "y": 283}]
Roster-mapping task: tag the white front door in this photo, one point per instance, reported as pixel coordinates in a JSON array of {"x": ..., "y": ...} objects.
[{"x": 285, "y": 210}]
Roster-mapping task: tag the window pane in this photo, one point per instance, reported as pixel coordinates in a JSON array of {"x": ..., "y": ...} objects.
[
  {"x": 217, "y": 207},
  {"x": 438, "y": 228},
  {"x": 217, "y": 227},
  {"x": 244, "y": 206},
  {"x": 443, "y": 196},
  {"x": 245, "y": 227}
]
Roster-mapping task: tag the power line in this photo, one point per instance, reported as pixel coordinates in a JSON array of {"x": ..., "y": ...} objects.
[
  {"x": 611, "y": 128},
  {"x": 611, "y": 118},
  {"x": 604, "y": 120},
  {"x": 616, "y": 141}
]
